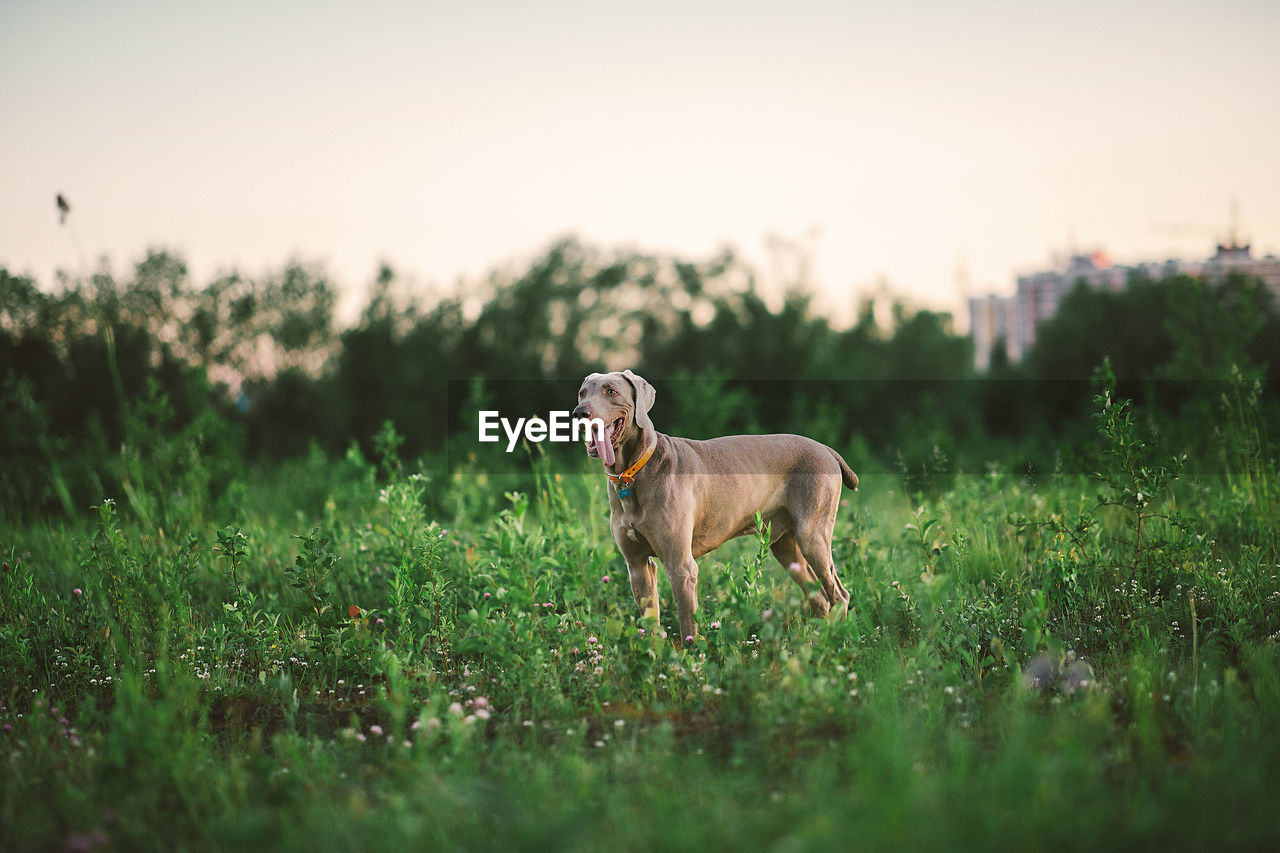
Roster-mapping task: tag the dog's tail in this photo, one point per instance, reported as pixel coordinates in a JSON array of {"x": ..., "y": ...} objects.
[{"x": 846, "y": 473}]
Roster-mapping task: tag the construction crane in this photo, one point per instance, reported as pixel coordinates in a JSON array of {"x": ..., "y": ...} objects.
[{"x": 1231, "y": 244}]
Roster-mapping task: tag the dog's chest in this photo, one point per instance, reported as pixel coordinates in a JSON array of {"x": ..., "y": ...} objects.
[{"x": 628, "y": 517}]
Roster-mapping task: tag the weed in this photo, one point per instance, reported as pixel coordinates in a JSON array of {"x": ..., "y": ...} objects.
[{"x": 458, "y": 661}]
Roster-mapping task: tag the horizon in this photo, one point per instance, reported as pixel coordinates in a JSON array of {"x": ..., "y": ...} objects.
[{"x": 908, "y": 150}]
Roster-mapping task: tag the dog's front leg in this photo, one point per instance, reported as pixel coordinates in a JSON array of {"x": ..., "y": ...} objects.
[
  {"x": 682, "y": 571},
  {"x": 640, "y": 569},
  {"x": 644, "y": 585}
]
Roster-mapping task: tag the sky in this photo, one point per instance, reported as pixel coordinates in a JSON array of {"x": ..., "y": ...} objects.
[{"x": 936, "y": 149}]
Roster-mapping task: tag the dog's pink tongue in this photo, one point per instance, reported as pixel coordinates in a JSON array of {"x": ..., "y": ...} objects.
[{"x": 604, "y": 447}]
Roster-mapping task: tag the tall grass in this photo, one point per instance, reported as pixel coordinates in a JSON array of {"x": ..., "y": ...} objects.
[{"x": 348, "y": 654}]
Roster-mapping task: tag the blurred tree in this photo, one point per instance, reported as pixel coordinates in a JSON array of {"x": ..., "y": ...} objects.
[{"x": 101, "y": 365}]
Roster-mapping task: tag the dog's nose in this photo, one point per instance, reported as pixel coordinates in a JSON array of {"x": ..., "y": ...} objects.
[{"x": 583, "y": 411}]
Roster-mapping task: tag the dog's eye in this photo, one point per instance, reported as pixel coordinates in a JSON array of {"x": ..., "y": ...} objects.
[{"x": 610, "y": 392}]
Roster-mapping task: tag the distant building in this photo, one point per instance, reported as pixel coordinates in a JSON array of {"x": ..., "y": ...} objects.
[
  {"x": 988, "y": 326},
  {"x": 1234, "y": 258},
  {"x": 1014, "y": 320}
]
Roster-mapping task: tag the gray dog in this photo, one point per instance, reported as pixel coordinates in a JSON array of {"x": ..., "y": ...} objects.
[{"x": 677, "y": 499}]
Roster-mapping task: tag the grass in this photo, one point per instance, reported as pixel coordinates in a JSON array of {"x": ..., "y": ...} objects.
[{"x": 343, "y": 654}]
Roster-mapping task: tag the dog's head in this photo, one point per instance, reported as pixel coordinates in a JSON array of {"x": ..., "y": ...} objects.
[{"x": 622, "y": 400}]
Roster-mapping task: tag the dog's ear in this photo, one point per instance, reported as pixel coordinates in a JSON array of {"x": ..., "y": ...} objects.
[{"x": 645, "y": 395}]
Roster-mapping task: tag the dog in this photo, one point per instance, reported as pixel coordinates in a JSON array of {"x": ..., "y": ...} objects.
[{"x": 677, "y": 499}]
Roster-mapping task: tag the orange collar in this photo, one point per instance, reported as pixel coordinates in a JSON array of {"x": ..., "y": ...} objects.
[{"x": 630, "y": 474}]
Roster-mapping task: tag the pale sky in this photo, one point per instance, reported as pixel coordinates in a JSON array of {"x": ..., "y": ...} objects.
[{"x": 897, "y": 141}]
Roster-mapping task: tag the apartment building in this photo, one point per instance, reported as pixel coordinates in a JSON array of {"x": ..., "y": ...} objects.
[{"x": 1014, "y": 320}]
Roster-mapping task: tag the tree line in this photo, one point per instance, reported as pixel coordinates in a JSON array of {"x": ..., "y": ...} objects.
[{"x": 106, "y": 380}]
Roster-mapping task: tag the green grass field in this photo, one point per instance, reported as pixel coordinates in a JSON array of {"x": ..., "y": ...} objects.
[{"x": 340, "y": 654}]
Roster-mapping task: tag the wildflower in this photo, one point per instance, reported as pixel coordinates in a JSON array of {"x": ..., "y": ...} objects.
[
  {"x": 77, "y": 592},
  {"x": 456, "y": 709},
  {"x": 486, "y": 595},
  {"x": 377, "y": 730},
  {"x": 715, "y": 625},
  {"x": 354, "y": 611},
  {"x": 767, "y": 615},
  {"x": 482, "y": 713},
  {"x": 379, "y": 623},
  {"x": 689, "y": 639},
  {"x": 604, "y": 579},
  {"x": 592, "y": 640}
]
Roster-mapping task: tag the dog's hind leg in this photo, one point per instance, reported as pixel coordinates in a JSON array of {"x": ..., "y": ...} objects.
[
  {"x": 787, "y": 552},
  {"x": 815, "y": 543}
]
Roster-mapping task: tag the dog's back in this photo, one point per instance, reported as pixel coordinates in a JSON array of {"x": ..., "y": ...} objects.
[{"x": 778, "y": 454}]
